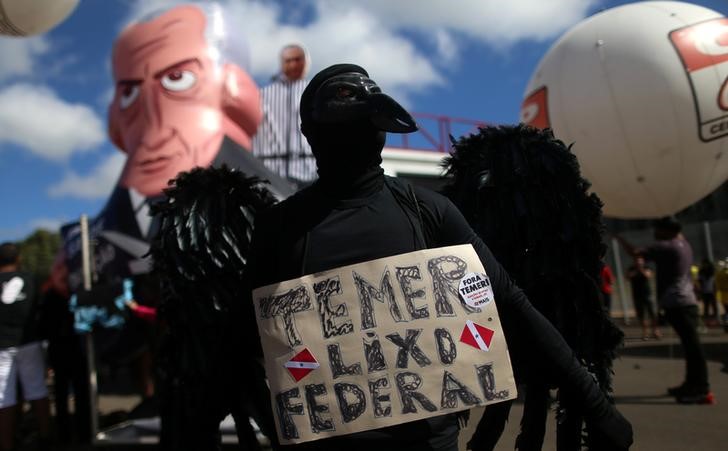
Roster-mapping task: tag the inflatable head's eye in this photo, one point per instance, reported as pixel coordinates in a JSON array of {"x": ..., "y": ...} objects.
[
  {"x": 128, "y": 93},
  {"x": 179, "y": 80}
]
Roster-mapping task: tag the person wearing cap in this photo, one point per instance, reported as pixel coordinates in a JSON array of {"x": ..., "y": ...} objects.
[
  {"x": 673, "y": 257},
  {"x": 354, "y": 213}
]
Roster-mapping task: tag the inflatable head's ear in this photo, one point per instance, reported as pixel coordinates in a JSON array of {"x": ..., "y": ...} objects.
[
  {"x": 241, "y": 103},
  {"x": 344, "y": 93}
]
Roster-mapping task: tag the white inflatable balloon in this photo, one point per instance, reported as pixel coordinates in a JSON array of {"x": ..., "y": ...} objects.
[
  {"x": 29, "y": 17},
  {"x": 641, "y": 90}
]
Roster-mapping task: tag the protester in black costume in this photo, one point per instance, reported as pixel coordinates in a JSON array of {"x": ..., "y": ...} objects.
[
  {"x": 521, "y": 191},
  {"x": 207, "y": 360},
  {"x": 639, "y": 276},
  {"x": 353, "y": 214},
  {"x": 67, "y": 357}
]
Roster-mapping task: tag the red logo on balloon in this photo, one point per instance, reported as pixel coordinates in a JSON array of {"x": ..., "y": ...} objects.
[
  {"x": 703, "y": 50},
  {"x": 534, "y": 110}
]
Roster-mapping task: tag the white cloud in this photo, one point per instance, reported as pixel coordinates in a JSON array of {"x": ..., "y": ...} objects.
[
  {"x": 20, "y": 55},
  {"x": 334, "y": 35},
  {"x": 496, "y": 23},
  {"x": 371, "y": 33},
  {"x": 97, "y": 184},
  {"x": 446, "y": 46},
  {"x": 338, "y": 35},
  {"x": 34, "y": 117},
  {"x": 51, "y": 224}
]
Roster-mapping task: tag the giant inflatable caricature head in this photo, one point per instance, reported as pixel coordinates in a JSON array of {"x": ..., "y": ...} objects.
[{"x": 177, "y": 96}]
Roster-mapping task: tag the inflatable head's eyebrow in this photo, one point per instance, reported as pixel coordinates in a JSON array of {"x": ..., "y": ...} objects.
[{"x": 180, "y": 89}]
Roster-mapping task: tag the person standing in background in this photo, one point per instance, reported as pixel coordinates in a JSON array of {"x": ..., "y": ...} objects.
[
  {"x": 67, "y": 358},
  {"x": 673, "y": 256},
  {"x": 639, "y": 277},
  {"x": 721, "y": 288},
  {"x": 706, "y": 289},
  {"x": 21, "y": 354},
  {"x": 607, "y": 281},
  {"x": 279, "y": 142}
]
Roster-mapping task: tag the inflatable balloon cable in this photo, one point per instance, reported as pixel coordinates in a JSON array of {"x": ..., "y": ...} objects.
[
  {"x": 522, "y": 192},
  {"x": 200, "y": 253}
]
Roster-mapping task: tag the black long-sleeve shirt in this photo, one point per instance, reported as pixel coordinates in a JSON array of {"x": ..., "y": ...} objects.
[{"x": 331, "y": 225}]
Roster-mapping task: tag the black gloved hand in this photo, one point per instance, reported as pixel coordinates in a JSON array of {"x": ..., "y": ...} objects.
[
  {"x": 490, "y": 427},
  {"x": 610, "y": 431}
]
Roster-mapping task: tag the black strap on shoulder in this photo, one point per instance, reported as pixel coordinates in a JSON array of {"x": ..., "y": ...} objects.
[{"x": 404, "y": 194}]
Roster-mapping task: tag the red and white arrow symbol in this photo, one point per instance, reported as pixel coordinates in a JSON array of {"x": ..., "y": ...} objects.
[
  {"x": 476, "y": 335},
  {"x": 301, "y": 364}
]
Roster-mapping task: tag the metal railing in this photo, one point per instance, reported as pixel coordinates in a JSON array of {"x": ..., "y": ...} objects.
[{"x": 434, "y": 133}]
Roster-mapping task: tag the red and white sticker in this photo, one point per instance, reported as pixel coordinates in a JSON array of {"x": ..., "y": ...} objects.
[
  {"x": 476, "y": 335},
  {"x": 301, "y": 364},
  {"x": 475, "y": 289}
]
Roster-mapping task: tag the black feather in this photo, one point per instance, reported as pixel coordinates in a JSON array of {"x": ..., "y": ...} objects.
[
  {"x": 537, "y": 216},
  {"x": 200, "y": 254},
  {"x": 212, "y": 211}
]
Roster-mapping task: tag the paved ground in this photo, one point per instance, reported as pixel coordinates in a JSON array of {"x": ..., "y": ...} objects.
[
  {"x": 642, "y": 374},
  {"x": 644, "y": 371}
]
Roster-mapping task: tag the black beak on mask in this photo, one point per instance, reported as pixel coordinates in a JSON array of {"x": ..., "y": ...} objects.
[{"x": 353, "y": 97}]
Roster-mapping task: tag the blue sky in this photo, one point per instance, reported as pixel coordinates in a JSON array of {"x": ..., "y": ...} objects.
[{"x": 470, "y": 59}]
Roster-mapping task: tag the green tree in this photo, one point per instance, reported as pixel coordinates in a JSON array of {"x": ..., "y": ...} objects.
[{"x": 38, "y": 250}]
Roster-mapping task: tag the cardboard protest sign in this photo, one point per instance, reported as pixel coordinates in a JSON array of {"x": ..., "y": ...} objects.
[{"x": 381, "y": 343}]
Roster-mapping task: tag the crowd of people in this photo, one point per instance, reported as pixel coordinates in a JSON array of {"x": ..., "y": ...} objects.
[
  {"x": 673, "y": 256},
  {"x": 42, "y": 343},
  {"x": 22, "y": 363},
  {"x": 709, "y": 282},
  {"x": 32, "y": 312}
]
